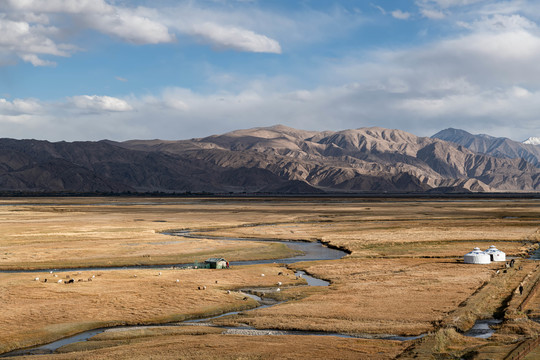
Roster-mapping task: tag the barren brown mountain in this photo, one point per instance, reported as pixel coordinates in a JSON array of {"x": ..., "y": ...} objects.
[{"x": 275, "y": 159}]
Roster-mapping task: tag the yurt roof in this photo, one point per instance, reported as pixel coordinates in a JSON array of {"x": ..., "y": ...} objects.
[
  {"x": 492, "y": 249},
  {"x": 476, "y": 251}
]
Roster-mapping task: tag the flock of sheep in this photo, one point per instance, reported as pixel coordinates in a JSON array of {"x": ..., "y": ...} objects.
[{"x": 69, "y": 280}]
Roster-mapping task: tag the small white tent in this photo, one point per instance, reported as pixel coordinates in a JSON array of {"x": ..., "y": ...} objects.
[
  {"x": 495, "y": 254},
  {"x": 477, "y": 256}
]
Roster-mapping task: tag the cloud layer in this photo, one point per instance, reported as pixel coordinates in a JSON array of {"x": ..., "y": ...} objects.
[
  {"x": 481, "y": 74},
  {"x": 28, "y": 35}
]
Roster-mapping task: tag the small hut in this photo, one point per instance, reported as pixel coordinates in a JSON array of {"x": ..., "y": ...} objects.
[
  {"x": 217, "y": 263},
  {"x": 477, "y": 256},
  {"x": 495, "y": 254}
]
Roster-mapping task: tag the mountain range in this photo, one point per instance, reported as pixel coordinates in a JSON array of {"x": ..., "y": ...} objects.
[
  {"x": 495, "y": 146},
  {"x": 275, "y": 160}
]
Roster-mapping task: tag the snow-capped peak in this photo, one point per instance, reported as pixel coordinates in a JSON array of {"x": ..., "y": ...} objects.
[{"x": 532, "y": 141}]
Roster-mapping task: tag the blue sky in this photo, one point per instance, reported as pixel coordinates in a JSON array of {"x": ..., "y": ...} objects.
[{"x": 95, "y": 69}]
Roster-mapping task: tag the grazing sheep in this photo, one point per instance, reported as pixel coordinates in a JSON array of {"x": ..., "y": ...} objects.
[
  {"x": 133, "y": 276},
  {"x": 204, "y": 287},
  {"x": 245, "y": 298},
  {"x": 36, "y": 279},
  {"x": 262, "y": 274},
  {"x": 55, "y": 275},
  {"x": 80, "y": 280},
  {"x": 45, "y": 280},
  {"x": 70, "y": 281},
  {"x": 216, "y": 281},
  {"x": 280, "y": 273},
  {"x": 60, "y": 281},
  {"x": 177, "y": 280},
  {"x": 50, "y": 272},
  {"x": 279, "y": 283},
  {"x": 278, "y": 289},
  {"x": 159, "y": 274},
  {"x": 198, "y": 288},
  {"x": 228, "y": 291},
  {"x": 89, "y": 279}
]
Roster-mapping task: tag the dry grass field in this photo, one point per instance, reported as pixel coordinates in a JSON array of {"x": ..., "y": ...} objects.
[
  {"x": 210, "y": 345},
  {"x": 50, "y": 310},
  {"x": 376, "y": 297},
  {"x": 404, "y": 274}
]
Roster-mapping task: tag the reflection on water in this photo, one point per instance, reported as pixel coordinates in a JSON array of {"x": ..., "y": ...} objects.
[{"x": 482, "y": 328}]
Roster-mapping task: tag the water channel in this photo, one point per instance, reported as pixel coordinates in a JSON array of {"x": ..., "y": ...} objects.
[{"x": 311, "y": 251}]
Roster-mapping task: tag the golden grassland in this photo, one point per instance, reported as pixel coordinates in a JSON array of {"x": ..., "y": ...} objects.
[
  {"x": 500, "y": 297},
  {"x": 215, "y": 346},
  {"x": 375, "y": 296},
  {"x": 404, "y": 274},
  {"x": 83, "y": 235},
  {"x": 34, "y": 311}
]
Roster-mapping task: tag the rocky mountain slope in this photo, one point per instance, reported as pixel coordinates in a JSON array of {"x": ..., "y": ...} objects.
[
  {"x": 276, "y": 159},
  {"x": 494, "y": 146}
]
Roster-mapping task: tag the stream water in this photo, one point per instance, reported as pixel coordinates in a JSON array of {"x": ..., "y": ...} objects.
[
  {"x": 483, "y": 328},
  {"x": 310, "y": 251}
]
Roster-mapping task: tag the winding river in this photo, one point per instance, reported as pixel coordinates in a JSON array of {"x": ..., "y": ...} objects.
[{"x": 311, "y": 251}]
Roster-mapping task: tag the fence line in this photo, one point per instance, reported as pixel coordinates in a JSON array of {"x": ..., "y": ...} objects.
[
  {"x": 531, "y": 294},
  {"x": 523, "y": 351}
]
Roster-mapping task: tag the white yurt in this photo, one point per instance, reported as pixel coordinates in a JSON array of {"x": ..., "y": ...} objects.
[
  {"x": 477, "y": 256},
  {"x": 495, "y": 254}
]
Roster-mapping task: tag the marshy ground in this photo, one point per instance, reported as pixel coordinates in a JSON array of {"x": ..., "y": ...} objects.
[{"x": 404, "y": 275}]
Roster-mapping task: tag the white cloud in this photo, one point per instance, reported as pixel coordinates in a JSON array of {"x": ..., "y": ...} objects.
[
  {"x": 398, "y": 14},
  {"x": 36, "y": 61},
  {"x": 433, "y": 14},
  {"x": 493, "y": 109},
  {"x": 499, "y": 23},
  {"x": 130, "y": 26},
  {"x": 445, "y": 4},
  {"x": 235, "y": 38},
  {"x": 19, "y": 106},
  {"x": 28, "y": 42},
  {"x": 440, "y": 9},
  {"x": 519, "y": 92},
  {"x": 26, "y": 32},
  {"x": 61, "y": 6},
  {"x": 380, "y": 8},
  {"x": 99, "y": 103},
  {"x": 138, "y": 25},
  {"x": 486, "y": 57}
]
